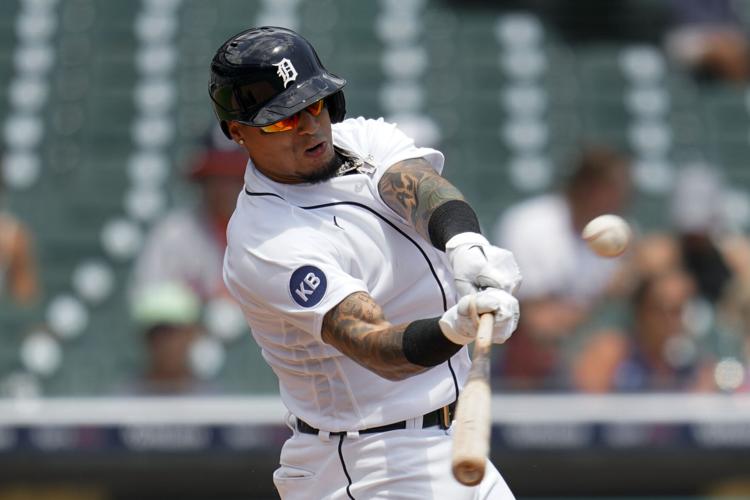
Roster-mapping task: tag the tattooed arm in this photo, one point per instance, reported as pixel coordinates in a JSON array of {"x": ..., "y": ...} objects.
[
  {"x": 358, "y": 328},
  {"x": 439, "y": 213},
  {"x": 414, "y": 190}
]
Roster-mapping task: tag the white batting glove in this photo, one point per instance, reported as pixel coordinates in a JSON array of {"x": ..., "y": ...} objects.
[
  {"x": 478, "y": 265},
  {"x": 459, "y": 323}
]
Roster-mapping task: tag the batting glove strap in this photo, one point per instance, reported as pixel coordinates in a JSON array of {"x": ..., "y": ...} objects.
[
  {"x": 467, "y": 238},
  {"x": 459, "y": 323},
  {"x": 477, "y": 264}
]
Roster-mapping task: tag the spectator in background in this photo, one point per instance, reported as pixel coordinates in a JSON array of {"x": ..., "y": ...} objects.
[
  {"x": 708, "y": 38},
  {"x": 658, "y": 353},
  {"x": 188, "y": 244},
  {"x": 702, "y": 240},
  {"x": 18, "y": 265},
  {"x": 706, "y": 244},
  {"x": 563, "y": 278},
  {"x": 168, "y": 317}
]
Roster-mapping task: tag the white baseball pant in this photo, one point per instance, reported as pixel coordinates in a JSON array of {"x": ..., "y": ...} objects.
[{"x": 412, "y": 463}]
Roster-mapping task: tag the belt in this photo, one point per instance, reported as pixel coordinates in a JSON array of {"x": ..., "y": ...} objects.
[{"x": 441, "y": 417}]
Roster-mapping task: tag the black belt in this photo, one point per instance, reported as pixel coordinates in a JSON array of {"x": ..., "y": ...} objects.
[{"x": 441, "y": 417}]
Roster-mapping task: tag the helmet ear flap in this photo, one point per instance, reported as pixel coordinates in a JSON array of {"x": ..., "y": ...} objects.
[
  {"x": 336, "y": 105},
  {"x": 225, "y": 129}
]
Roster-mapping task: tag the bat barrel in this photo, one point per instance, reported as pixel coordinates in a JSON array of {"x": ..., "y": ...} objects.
[{"x": 471, "y": 437}]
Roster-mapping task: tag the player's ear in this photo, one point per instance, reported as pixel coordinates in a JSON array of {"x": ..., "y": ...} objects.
[{"x": 235, "y": 132}]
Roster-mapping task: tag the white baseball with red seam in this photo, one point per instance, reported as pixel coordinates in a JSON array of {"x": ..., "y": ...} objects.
[{"x": 607, "y": 235}]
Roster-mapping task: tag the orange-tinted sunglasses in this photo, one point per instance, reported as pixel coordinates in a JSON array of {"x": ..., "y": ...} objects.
[{"x": 291, "y": 122}]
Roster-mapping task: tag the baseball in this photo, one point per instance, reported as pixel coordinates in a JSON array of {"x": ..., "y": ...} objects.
[{"x": 607, "y": 235}]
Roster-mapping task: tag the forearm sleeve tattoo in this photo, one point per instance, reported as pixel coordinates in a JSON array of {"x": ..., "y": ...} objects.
[{"x": 358, "y": 328}]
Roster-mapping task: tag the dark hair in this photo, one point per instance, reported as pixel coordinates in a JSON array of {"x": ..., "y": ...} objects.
[
  {"x": 158, "y": 330},
  {"x": 643, "y": 288},
  {"x": 596, "y": 164}
]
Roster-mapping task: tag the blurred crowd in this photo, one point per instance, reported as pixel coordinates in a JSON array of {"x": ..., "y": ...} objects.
[
  {"x": 177, "y": 277},
  {"x": 668, "y": 315},
  {"x": 671, "y": 314}
]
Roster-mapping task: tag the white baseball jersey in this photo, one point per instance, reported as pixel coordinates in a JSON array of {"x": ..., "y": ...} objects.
[{"x": 296, "y": 250}]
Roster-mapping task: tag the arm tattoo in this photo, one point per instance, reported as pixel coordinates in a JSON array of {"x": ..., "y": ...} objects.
[
  {"x": 358, "y": 328},
  {"x": 413, "y": 190}
]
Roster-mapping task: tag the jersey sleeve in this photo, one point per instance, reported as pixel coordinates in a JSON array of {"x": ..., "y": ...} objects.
[{"x": 296, "y": 283}]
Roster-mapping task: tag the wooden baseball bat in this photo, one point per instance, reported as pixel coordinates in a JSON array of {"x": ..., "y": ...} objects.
[{"x": 471, "y": 436}]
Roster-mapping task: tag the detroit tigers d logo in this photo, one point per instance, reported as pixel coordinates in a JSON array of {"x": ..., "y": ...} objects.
[
  {"x": 307, "y": 285},
  {"x": 286, "y": 71}
]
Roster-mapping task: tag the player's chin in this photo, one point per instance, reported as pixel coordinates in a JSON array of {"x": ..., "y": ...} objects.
[
  {"x": 321, "y": 174},
  {"x": 320, "y": 168}
]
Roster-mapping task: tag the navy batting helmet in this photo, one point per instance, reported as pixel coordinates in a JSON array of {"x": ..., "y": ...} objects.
[{"x": 263, "y": 75}]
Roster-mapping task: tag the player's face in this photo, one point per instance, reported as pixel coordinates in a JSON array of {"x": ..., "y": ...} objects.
[
  {"x": 661, "y": 314},
  {"x": 302, "y": 154}
]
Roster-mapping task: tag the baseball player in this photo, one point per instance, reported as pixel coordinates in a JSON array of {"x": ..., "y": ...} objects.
[{"x": 361, "y": 272}]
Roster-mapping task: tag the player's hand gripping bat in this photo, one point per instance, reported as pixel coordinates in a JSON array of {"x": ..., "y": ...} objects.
[{"x": 471, "y": 436}]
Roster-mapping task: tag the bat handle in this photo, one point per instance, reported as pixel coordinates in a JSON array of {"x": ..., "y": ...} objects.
[{"x": 484, "y": 332}]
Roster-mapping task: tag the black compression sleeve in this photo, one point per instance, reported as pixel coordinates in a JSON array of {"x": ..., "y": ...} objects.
[
  {"x": 449, "y": 219},
  {"x": 425, "y": 345}
]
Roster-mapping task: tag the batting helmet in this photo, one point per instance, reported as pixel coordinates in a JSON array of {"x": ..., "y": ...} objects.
[{"x": 263, "y": 75}]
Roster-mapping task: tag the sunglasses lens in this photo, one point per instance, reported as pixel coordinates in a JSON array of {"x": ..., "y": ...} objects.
[
  {"x": 315, "y": 108},
  {"x": 282, "y": 125},
  {"x": 289, "y": 123}
]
